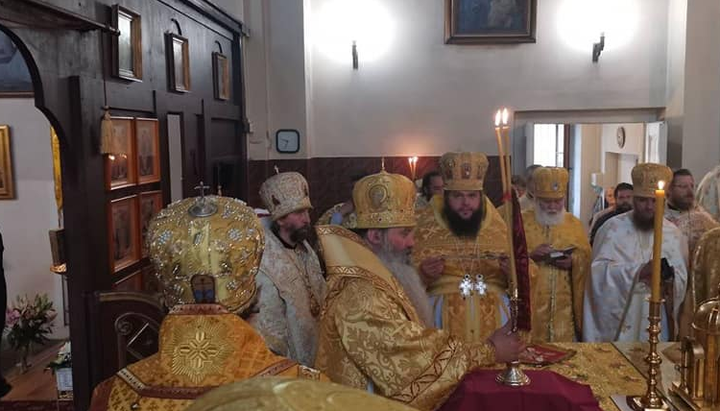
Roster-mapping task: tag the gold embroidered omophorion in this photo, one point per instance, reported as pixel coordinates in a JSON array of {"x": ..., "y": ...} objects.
[
  {"x": 476, "y": 318},
  {"x": 371, "y": 336}
]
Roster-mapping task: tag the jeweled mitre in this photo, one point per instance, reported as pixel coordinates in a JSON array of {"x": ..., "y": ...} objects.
[
  {"x": 226, "y": 245},
  {"x": 285, "y": 193},
  {"x": 550, "y": 182},
  {"x": 463, "y": 171},
  {"x": 384, "y": 200},
  {"x": 645, "y": 178}
]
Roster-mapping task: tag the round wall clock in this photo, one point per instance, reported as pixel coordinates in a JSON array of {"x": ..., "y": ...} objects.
[{"x": 620, "y": 134}]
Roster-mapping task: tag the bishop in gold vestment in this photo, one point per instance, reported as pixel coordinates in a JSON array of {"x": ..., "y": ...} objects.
[
  {"x": 472, "y": 317},
  {"x": 706, "y": 266},
  {"x": 558, "y": 284},
  {"x": 371, "y": 335},
  {"x": 206, "y": 252}
]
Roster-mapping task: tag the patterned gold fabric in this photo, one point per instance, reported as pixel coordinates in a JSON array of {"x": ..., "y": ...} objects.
[
  {"x": 706, "y": 266},
  {"x": 645, "y": 178},
  {"x": 350, "y": 220},
  {"x": 288, "y": 394},
  {"x": 604, "y": 368},
  {"x": 226, "y": 245},
  {"x": 477, "y": 317},
  {"x": 370, "y": 334},
  {"x": 557, "y": 295},
  {"x": 550, "y": 182},
  {"x": 708, "y": 193},
  {"x": 202, "y": 346},
  {"x": 384, "y": 200},
  {"x": 464, "y": 171},
  {"x": 285, "y": 193}
]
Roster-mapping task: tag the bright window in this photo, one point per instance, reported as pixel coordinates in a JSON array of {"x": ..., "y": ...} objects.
[{"x": 548, "y": 145}]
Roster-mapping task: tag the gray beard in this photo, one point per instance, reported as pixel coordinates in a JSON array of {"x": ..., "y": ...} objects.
[
  {"x": 400, "y": 267},
  {"x": 546, "y": 219}
]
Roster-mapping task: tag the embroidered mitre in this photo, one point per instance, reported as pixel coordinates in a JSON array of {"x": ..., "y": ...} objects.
[
  {"x": 226, "y": 245},
  {"x": 384, "y": 200},
  {"x": 646, "y": 176},
  {"x": 463, "y": 171},
  {"x": 550, "y": 182},
  {"x": 285, "y": 193}
]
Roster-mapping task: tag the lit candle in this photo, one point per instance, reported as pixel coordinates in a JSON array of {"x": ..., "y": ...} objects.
[
  {"x": 412, "y": 162},
  {"x": 501, "y": 152},
  {"x": 657, "y": 242}
]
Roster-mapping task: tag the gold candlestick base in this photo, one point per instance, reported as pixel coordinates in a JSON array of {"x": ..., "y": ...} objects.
[
  {"x": 636, "y": 403},
  {"x": 513, "y": 376},
  {"x": 651, "y": 401}
]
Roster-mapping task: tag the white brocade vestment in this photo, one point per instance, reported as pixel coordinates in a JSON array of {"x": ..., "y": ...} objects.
[
  {"x": 285, "y": 319},
  {"x": 615, "y": 306}
]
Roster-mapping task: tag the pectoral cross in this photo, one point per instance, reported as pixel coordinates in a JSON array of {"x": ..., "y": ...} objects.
[{"x": 468, "y": 287}]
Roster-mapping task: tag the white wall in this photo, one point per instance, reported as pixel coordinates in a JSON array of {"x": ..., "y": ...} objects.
[
  {"x": 701, "y": 124},
  {"x": 25, "y": 221},
  {"x": 675, "y": 97},
  {"x": 425, "y": 97},
  {"x": 275, "y": 75}
]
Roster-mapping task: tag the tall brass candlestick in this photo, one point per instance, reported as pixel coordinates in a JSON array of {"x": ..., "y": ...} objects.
[
  {"x": 652, "y": 401},
  {"x": 512, "y": 375}
]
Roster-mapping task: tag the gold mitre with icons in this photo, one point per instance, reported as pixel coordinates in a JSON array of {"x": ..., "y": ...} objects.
[
  {"x": 285, "y": 193},
  {"x": 646, "y": 176},
  {"x": 464, "y": 171},
  {"x": 207, "y": 236},
  {"x": 292, "y": 394},
  {"x": 384, "y": 200},
  {"x": 550, "y": 182}
]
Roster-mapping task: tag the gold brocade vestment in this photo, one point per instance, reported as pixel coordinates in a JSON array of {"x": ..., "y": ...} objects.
[
  {"x": 476, "y": 317},
  {"x": 557, "y": 294},
  {"x": 202, "y": 346},
  {"x": 371, "y": 336}
]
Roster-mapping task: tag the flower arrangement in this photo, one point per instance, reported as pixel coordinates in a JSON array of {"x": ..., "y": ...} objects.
[{"x": 29, "y": 322}]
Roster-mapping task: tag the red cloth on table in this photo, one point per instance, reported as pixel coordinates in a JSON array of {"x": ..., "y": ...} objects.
[{"x": 547, "y": 390}]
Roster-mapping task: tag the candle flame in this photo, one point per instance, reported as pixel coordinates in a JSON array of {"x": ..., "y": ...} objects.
[
  {"x": 505, "y": 116},
  {"x": 497, "y": 118},
  {"x": 661, "y": 185}
]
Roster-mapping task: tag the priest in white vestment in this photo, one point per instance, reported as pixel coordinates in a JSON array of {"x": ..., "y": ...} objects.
[
  {"x": 616, "y": 306},
  {"x": 290, "y": 284}
]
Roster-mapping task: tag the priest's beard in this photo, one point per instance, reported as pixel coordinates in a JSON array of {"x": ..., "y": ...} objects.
[
  {"x": 399, "y": 265},
  {"x": 548, "y": 219},
  {"x": 300, "y": 234},
  {"x": 461, "y": 227},
  {"x": 643, "y": 222}
]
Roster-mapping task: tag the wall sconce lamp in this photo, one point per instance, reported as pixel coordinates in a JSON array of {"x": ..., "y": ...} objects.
[
  {"x": 598, "y": 48},
  {"x": 354, "y": 55}
]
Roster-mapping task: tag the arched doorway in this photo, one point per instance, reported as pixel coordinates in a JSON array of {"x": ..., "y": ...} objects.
[{"x": 30, "y": 208}]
